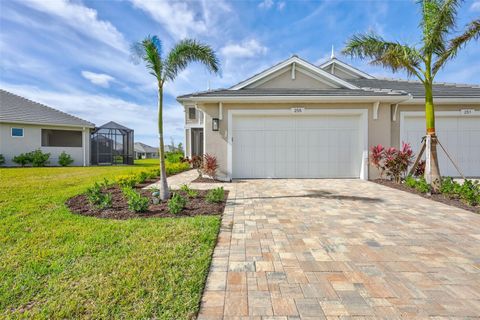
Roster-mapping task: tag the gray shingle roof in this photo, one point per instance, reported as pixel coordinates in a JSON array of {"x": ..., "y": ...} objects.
[
  {"x": 16, "y": 109},
  {"x": 416, "y": 89},
  {"x": 290, "y": 92},
  {"x": 142, "y": 147}
]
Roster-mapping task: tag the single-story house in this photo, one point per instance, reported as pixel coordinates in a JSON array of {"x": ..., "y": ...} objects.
[
  {"x": 26, "y": 125},
  {"x": 144, "y": 151},
  {"x": 300, "y": 120}
]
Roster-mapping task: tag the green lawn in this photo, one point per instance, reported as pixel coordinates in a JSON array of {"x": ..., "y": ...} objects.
[{"x": 54, "y": 264}]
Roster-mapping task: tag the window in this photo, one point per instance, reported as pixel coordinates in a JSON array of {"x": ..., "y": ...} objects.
[
  {"x": 61, "y": 138},
  {"x": 17, "y": 132},
  {"x": 192, "y": 113}
]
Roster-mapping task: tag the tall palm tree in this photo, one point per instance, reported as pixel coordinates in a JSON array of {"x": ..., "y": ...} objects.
[
  {"x": 166, "y": 69},
  {"x": 423, "y": 61}
]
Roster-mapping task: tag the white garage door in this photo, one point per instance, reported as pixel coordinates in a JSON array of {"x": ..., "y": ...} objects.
[
  {"x": 460, "y": 135},
  {"x": 313, "y": 146}
]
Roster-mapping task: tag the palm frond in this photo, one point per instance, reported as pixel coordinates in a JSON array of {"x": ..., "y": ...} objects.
[
  {"x": 150, "y": 51},
  {"x": 471, "y": 33},
  {"x": 187, "y": 51},
  {"x": 439, "y": 17},
  {"x": 391, "y": 55}
]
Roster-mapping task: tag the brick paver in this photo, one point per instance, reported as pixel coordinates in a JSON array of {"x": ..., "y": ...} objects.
[{"x": 341, "y": 249}]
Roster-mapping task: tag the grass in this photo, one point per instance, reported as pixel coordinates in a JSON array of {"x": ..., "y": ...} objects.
[{"x": 54, "y": 264}]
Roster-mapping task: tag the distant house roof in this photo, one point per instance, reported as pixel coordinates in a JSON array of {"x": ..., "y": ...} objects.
[
  {"x": 114, "y": 125},
  {"x": 16, "y": 109},
  {"x": 144, "y": 148}
]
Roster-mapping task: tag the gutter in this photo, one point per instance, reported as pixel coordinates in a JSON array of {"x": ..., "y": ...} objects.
[{"x": 449, "y": 100}]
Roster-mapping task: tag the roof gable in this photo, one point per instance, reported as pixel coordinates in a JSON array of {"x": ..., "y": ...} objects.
[
  {"x": 343, "y": 70},
  {"x": 295, "y": 65}
]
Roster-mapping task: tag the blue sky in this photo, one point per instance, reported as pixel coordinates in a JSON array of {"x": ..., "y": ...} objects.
[{"x": 74, "y": 55}]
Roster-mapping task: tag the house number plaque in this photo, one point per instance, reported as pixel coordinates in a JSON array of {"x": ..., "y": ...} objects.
[{"x": 298, "y": 110}]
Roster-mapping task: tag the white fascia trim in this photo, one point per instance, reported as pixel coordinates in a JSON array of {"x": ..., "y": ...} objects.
[
  {"x": 263, "y": 99},
  {"x": 459, "y": 100},
  {"x": 363, "y": 174},
  {"x": 77, "y": 126},
  {"x": 348, "y": 67},
  {"x": 300, "y": 62},
  {"x": 193, "y": 125}
]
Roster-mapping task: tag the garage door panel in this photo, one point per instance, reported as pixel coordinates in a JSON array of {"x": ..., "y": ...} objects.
[{"x": 459, "y": 135}]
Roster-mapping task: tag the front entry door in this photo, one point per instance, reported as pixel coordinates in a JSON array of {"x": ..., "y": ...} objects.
[{"x": 197, "y": 142}]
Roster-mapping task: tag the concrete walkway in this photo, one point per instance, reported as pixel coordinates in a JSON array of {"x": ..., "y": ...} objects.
[{"x": 315, "y": 249}]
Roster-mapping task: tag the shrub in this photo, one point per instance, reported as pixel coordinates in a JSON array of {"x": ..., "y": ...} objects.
[
  {"x": 65, "y": 159},
  {"x": 410, "y": 181},
  {"x": 422, "y": 185},
  {"x": 106, "y": 183},
  {"x": 22, "y": 159},
  {"x": 142, "y": 177},
  {"x": 420, "y": 169},
  {"x": 174, "y": 157},
  {"x": 210, "y": 166},
  {"x": 174, "y": 168},
  {"x": 215, "y": 195},
  {"x": 97, "y": 198},
  {"x": 197, "y": 163},
  {"x": 392, "y": 161},
  {"x": 127, "y": 181},
  {"x": 470, "y": 192},
  {"x": 38, "y": 158},
  {"x": 2, "y": 159},
  {"x": 136, "y": 202},
  {"x": 152, "y": 174},
  {"x": 448, "y": 187},
  {"x": 176, "y": 203},
  {"x": 189, "y": 191}
]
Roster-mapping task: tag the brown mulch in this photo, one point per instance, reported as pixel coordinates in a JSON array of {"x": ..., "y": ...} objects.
[
  {"x": 207, "y": 180},
  {"x": 435, "y": 197},
  {"x": 119, "y": 210}
]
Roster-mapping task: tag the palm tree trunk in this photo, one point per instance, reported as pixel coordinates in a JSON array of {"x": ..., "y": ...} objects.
[
  {"x": 164, "y": 192},
  {"x": 432, "y": 170}
]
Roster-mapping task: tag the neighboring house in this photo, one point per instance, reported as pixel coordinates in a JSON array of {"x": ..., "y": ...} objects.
[
  {"x": 144, "y": 151},
  {"x": 112, "y": 144},
  {"x": 299, "y": 120},
  {"x": 26, "y": 125}
]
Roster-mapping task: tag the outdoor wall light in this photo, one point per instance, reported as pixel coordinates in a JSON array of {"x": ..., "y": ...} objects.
[{"x": 215, "y": 124}]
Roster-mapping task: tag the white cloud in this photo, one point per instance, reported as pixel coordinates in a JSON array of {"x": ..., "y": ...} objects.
[
  {"x": 265, "y": 4},
  {"x": 178, "y": 18},
  {"x": 83, "y": 19},
  {"x": 100, "y": 79},
  {"x": 246, "y": 49},
  {"x": 475, "y": 6},
  {"x": 281, "y": 5}
]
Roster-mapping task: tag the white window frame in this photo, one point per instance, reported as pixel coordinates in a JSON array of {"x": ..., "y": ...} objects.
[
  {"x": 195, "y": 112},
  {"x": 11, "y": 132}
]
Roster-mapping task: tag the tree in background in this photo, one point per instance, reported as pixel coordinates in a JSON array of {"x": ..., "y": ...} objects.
[
  {"x": 424, "y": 61},
  {"x": 166, "y": 69}
]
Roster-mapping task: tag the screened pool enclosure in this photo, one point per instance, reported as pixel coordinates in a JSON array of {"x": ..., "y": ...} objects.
[{"x": 112, "y": 144}]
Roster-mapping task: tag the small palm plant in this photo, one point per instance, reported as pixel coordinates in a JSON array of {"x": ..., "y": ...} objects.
[
  {"x": 166, "y": 69},
  {"x": 424, "y": 61}
]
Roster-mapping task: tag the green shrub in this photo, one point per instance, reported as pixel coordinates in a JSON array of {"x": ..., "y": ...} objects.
[
  {"x": 189, "y": 191},
  {"x": 215, "y": 195},
  {"x": 174, "y": 168},
  {"x": 142, "y": 177},
  {"x": 98, "y": 198},
  {"x": 65, "y": 159},
  {"x": 449, "y": 188},
  {"x": 176, "y": 203},
  {"x": 2, "y": 159},
  {"x": 152, "y": 174},
  {"x": 136, "y": 202},
  {"x": 106, "y": 183},
  {"x": 422, "y": 185},
  {"x": 126, "y": 181},
  {"x": 22, "y": 159},
  {"x": 470, "y": 192},
  {"x": 410, "y": 181},
  {"x": 38, "y": 158},
  {"x": 174, "y": 157}
]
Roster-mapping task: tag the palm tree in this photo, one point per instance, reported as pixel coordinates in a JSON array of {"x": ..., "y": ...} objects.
[
  {"x": 423, "y": 61},
  {"x": 166, "y": 69}
]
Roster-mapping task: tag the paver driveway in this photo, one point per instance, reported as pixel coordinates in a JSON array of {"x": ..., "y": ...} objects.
[{"x": 315, "y": 249}]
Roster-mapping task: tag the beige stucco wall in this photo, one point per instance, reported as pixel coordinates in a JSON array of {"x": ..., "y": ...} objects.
[
  {"x": 216, "y": 142},
  {"x": 32, "y": 139},
  {"x": 395, "y": 135}
]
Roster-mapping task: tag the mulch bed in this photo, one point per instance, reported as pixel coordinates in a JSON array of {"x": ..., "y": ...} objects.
[
  {"x": 435, "y": 197},
  {"x": 207, "y": 180},
  {"x": 119, "y": 210}
]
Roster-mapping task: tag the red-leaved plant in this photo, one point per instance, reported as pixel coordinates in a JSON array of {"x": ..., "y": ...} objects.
[
  {"x": 197, "y": 163},
  {"x": 210, "y": 166},
  {"x": 392, "y": 161}
]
